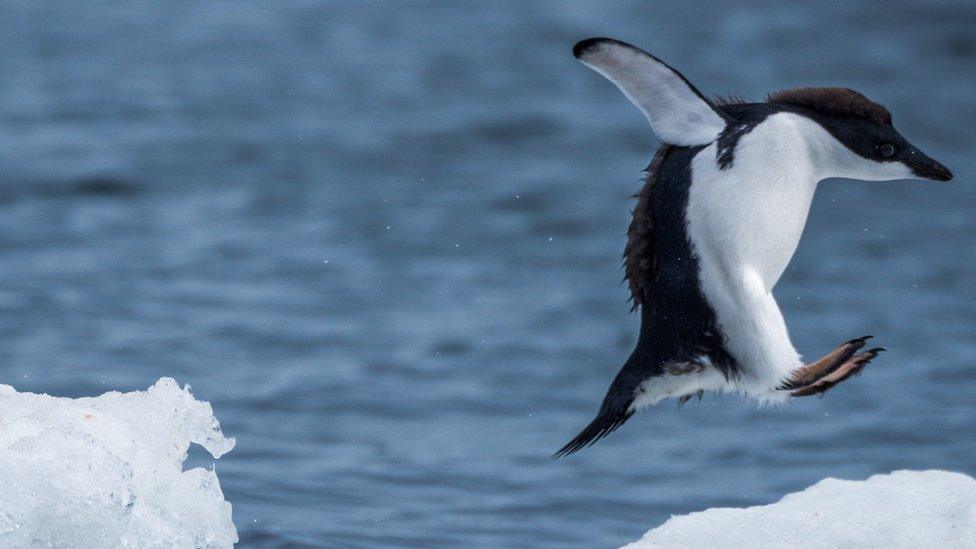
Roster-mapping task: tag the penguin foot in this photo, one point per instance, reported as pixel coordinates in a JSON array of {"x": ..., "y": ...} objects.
[
  {"x": 851, "y": 366},
  {"x": 806, "y": 375}
]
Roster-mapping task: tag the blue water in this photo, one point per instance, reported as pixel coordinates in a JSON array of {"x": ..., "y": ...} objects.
[{"x": 383, "y": 239}]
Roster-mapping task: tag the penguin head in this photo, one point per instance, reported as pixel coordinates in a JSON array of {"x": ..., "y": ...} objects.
[{"x": 863, "y": 144}]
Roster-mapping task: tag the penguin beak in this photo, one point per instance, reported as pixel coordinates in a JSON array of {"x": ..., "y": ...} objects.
[{"x": 924, "y": 167}]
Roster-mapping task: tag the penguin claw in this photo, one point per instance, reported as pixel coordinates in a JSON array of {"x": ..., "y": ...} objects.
[
  {"x": 685, "y": 398},
  {"x": 858, "y": 340},
  {"x": 850, "y": 368}
]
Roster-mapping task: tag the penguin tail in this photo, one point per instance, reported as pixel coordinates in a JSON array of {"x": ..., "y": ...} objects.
[{"x": 606, "y": 421}]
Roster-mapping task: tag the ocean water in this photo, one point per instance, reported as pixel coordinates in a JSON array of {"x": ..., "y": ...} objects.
[{"x": 383, "y": 240}]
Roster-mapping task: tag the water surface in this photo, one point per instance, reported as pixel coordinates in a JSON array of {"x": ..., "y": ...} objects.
[{"x": 383, "y": 239}]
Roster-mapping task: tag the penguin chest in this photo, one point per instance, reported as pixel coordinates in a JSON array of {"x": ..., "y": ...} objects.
[{"x": 752, "y": 214}]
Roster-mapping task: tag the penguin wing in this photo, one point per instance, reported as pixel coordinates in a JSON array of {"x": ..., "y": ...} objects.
[{"x": 678, "y": 113}]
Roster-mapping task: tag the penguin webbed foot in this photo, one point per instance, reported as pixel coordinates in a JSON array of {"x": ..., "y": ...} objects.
[{"x": 822, "y": 375}]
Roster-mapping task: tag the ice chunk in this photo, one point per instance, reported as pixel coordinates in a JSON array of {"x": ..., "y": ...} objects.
[
  {"x": 903, "y": 509},
  {"x": 108, "y": 471}
]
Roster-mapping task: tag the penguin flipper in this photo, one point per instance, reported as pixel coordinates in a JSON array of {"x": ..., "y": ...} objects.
[{"x": 677, "y": 112}]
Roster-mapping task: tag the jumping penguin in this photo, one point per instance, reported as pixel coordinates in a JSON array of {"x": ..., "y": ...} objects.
[{"x": 719, "y": 217}]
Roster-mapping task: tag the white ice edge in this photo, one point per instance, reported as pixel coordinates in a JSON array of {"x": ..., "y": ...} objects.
[
  {"x": 108, "y": 471},
  {"x": 901, "y": 509}
]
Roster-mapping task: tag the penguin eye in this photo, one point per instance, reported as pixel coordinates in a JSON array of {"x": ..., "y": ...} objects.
[{"x": 887, "y": 150}]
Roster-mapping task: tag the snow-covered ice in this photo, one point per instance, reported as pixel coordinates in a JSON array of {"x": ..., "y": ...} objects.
[
  {"x": 108, "y": 471},
  {"x": 903, "y": 509}
]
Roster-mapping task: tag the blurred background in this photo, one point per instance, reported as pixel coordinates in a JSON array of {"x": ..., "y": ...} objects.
[{"x": 383, "y": 239}]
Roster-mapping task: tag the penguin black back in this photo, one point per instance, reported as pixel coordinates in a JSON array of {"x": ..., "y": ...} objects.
[{"x": 678, "y": 326}]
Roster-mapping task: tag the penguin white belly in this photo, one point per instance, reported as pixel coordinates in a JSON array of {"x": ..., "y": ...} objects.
[{"x": 744, "y": 224}]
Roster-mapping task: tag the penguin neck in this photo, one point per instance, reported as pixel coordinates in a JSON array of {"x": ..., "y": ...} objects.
[{"x": 821, "y": 153}]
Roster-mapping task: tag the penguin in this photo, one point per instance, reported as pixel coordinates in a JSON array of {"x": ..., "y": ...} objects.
[{"x": 720, "y": 214}]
